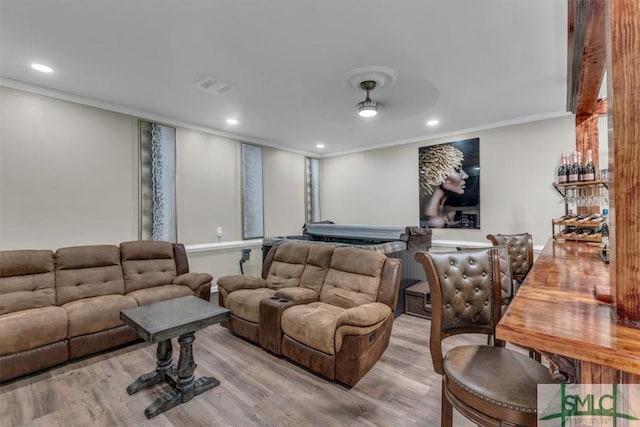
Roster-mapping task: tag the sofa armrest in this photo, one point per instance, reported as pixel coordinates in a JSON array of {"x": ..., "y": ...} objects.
[
  {"x": 364, "y": 315},
  {"x": 297, "y": 294},
  {"x": 204, "y": 292},
  {"x": 271, "y": 309},
  {"x": 193, "y": 280},
  {"x": 235, "y": 282}
]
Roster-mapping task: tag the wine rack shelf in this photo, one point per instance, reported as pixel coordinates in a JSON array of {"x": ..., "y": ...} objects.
[
  {"x": 578, "y": 224},
  {"x": 562, "y": 188},
  {"x": 581, "y": 183},
  {"x": 589, "y": 193},
  {"x": 597, "y": 238}
]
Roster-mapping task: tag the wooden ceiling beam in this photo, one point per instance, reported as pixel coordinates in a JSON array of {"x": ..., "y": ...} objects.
[{"x": 586, "y": 55}]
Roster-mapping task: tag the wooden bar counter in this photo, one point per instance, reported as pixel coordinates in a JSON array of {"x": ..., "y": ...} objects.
[{"x": 555, "y": 312}]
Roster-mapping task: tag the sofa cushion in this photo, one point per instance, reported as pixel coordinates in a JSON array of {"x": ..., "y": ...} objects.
[
  {"x": 32, "y": 328},
  {"x": 146, "y": 250},
  {"x": 287, "y": 265},
  {"x": 353, "y": 278},
  {"x": 159, "y": 293},
  {"x": 27, "y": 280},
  {"x": 312, "y": 324},
  {"x": 87, "y": 271},
  {"x": 245, "y": 303},
  {"x": 146, "y": 264},
  {"x": 96, "y": 314},
  {"x": 316, "y": 267}
]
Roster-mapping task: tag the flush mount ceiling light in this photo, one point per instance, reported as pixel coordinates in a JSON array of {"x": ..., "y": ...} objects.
[
  {"x": 367, "y": 78},
  {"x": 433, "y": 122},
  {"x": 42, "y": 68},
  {"x": 232, "y": 121},
  {"x": 368, "y": 108}
]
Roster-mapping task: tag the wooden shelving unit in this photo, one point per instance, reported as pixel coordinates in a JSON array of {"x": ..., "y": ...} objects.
[
  {"x": 562, "y": 189},
  {"x": 578, "y": 224},
  {"x": 595, "y": 238}
]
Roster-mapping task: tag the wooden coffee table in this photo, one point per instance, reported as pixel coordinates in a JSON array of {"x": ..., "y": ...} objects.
[{"x": 158, "y": 323}]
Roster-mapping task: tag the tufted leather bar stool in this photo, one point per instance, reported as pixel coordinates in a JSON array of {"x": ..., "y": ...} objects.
[
  {"x": 520, "y": 247},
  {"x": 506, "y": 277},
  {"x": 489, "y": 384}
]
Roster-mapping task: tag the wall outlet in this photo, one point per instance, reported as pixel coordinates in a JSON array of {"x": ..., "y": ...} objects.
[{"x": 219, "y": 231}]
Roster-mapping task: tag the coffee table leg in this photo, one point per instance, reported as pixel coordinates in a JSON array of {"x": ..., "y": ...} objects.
[
  {"x": 186, "y": 387},
  {"x": 186, "y": 367},
  {"x": 164, "y": 363}
]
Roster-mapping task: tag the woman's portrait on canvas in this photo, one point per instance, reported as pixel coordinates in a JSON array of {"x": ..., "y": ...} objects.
[{"x": 444, "y": 183}]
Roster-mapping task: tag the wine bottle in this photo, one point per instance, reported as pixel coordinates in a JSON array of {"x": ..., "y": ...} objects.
[
  {"x": 574, "y": 169},
  {"x": 605, "y": 241},
  {"x": 562, "y": 170},
  {"x": 580, "y": 167},
  {"x": 589, "y": 168}
]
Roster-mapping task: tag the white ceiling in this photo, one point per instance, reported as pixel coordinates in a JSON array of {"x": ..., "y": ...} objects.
[{"x": 468, "y": 63}]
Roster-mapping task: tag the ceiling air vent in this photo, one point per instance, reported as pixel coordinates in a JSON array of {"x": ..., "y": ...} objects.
[
  {"x": 212, "y": 85},
  {"x": 224, "y": 89}
]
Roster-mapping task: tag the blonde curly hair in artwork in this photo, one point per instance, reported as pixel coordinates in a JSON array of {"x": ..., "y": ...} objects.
[{"x": 436, "y": 163}]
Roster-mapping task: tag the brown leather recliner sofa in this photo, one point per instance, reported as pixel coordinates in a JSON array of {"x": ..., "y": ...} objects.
[
  {"x": 59, "y": 306},
  {"x": 328, "y": 309}
]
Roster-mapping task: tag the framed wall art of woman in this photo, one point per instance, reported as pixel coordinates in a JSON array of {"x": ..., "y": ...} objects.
[{"x": 449, "y": 182}]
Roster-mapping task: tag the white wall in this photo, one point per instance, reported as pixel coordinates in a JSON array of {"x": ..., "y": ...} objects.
[
  {"x": 371, "y": 187},
  {"x": 69, "y": 176},
  {"x": 208, "y": 187},
  {"x": 518, "y": 165},
  {"x": 68, "y": 173},
  {"x": 284, "y": 192},
  {"x": 223, "y": 262}
]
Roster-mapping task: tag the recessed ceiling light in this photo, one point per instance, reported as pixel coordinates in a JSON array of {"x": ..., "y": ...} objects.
[
  {"x": 232, "y": 121},
  {"x": 320, "y": 145},
  {"x": 42, "y": 68},
  {"x": 433, "y": 122}
]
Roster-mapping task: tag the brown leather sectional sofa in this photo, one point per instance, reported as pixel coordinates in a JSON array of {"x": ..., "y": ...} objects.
[
  {"x": 328, "y": 309},
  {"x": 59, "y": 306}
]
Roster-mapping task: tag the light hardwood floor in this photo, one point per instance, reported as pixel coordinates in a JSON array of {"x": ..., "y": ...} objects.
[{"x": 257, "y": 388}]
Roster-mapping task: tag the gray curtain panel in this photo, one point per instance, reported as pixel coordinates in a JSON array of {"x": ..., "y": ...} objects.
[
  {"x": 157, "y": 182},
  {"x": 252, "y": 203},
  {"x": 313, "y": 190}
]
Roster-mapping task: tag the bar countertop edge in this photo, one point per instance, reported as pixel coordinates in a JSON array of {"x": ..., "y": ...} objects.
[{"x": 555, "y": 310}]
